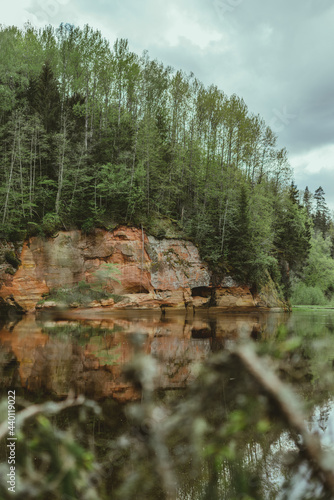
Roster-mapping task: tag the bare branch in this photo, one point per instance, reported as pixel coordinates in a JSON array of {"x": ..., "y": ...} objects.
[
  {"x": 291, "y": 409},
  {"x": 50, "y": 407}
]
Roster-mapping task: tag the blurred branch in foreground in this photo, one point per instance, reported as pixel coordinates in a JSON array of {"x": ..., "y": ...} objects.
[{"x": 291, "y": 410}]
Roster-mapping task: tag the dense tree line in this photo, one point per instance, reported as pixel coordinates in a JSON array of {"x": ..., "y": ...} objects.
[
  {"x": 313, "y": 281},
  {"x": 92, "y": 136}
]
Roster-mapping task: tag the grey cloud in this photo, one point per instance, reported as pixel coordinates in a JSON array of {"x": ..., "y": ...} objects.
[
  {"x": 53, "y": 11},
  {"x": 289, "y": 67}
]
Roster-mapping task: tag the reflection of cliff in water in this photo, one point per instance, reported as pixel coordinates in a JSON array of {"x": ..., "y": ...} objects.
[{"x": 53, "y": 357}]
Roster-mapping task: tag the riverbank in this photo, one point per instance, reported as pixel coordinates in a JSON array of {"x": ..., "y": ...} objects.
[{"x": 310, "y": 307}]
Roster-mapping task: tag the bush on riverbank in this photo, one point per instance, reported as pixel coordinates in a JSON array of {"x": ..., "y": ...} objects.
[{"x": 308, "y": 295}]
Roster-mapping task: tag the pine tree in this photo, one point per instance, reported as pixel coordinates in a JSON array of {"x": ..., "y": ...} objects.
[
  {"x": 44, "y": 98},
  {"x": 307, "y": 201},
  {"x": 321, "y": 217},
  {"x": 240, "y": 241},
  {"x": 294, "y": 193}
]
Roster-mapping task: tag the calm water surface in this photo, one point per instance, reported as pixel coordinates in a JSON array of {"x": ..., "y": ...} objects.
[
  {"x": 47, "y": 357},
  {"x": 52, "y": 356}
]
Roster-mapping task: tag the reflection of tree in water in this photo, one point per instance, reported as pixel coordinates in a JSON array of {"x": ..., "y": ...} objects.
[
  {"x": 9, "y": 370},
  {"x": 176, "y": 356},
  {"x": 231, "y": 434},
  {"x": 226, "y": 436}
]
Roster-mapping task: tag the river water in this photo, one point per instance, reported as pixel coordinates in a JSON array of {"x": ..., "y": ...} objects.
[{"x": 50, "y": 357}]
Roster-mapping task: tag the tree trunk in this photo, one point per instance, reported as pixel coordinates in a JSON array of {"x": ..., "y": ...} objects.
[{"x": 61, "y": 169}]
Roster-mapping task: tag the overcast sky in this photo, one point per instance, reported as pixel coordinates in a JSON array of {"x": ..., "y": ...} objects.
[{"x": 276, "y": 55}]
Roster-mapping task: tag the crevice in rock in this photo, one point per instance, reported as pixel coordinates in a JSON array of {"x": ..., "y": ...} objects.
[
  {"x": 94, "y": 257},
  {"x": 137, "y": 289}
]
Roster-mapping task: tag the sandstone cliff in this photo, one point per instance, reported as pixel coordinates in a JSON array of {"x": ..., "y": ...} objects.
[{"x": 152, "y": 273}]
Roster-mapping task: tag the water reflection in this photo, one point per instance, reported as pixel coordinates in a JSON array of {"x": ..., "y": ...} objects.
[
  {"x": 301, "y": 483},
  {"x": 52, "y": 356}
]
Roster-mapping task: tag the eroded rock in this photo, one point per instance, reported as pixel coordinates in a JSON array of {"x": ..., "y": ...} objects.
[{"x": 151, "y": 273}]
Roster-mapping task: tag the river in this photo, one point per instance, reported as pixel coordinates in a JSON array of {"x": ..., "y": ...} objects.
[{"x": 50, "y": 357}]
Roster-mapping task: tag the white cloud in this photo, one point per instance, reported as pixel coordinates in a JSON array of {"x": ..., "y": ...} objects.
[
  {"x": 314, "y": 161},
  {"x": 182, "y": 26},
  {"x": 15, "y": 13},
  {"x": 54, "y": 12}
]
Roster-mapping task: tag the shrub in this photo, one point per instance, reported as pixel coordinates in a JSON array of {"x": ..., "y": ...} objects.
[
  {"x": 34, "y": 229},
  {"x": 15, "y": 234},
  {"x": 82, "y": 294},
  {"x": 308, "y": 295},
  {"x": 88, "y": 226},
  {"x": 51, "y": 224},
  {"x": 12, "y": 259},
  {"x": 10, "y": 270}
]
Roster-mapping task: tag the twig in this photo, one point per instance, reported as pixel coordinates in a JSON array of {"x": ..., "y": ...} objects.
[
  {"x": 290, "y": 407},
  {"x": 50, "y": 407}
]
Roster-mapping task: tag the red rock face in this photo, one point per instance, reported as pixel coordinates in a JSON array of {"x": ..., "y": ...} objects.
[
  {"x": 235, "y": 297},
  {"x": 145, "y": 265},
  {"x": 176, "y": 264},
  {"x": 26, "y": 285},
  {"x": 152, "y": 273}
]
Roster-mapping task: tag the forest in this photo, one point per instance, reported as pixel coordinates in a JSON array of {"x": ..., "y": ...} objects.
[{"x": 93, "y": 136}]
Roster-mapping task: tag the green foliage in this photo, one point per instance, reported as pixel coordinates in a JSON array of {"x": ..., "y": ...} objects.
[
  {"x": 106, "y": 272},
  {"x": 51, "y": 223},
  {"x": 93, "y": 135},
  {"x": 308, "y": 295},
  {"x": 11, "y": 258},
  {"x": 164, "y": 227},
  {"x": 88, "y": 225},
  {"x": 10, "y": 270},
  {"x": 34, "y": 229},
  {"x": 81, "y": 294},
  {"x": 314, "y": 285},
  {"x": 292, "y": 232},
  {"x": 50, "y": 462},
  {"x": 240, "y": 238},
  {"x": 43, "y": 97},
  {"x": 319, "y": 269},
  {"x": 321, "y": 217}
]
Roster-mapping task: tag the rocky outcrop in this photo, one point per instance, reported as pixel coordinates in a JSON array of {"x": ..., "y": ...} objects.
[
  {"x": 152, "y": 273},
  {"x": 234, "y": 297}
]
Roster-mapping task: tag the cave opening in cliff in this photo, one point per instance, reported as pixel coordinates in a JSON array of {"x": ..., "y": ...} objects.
[{"x": 201, "y": 291}]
